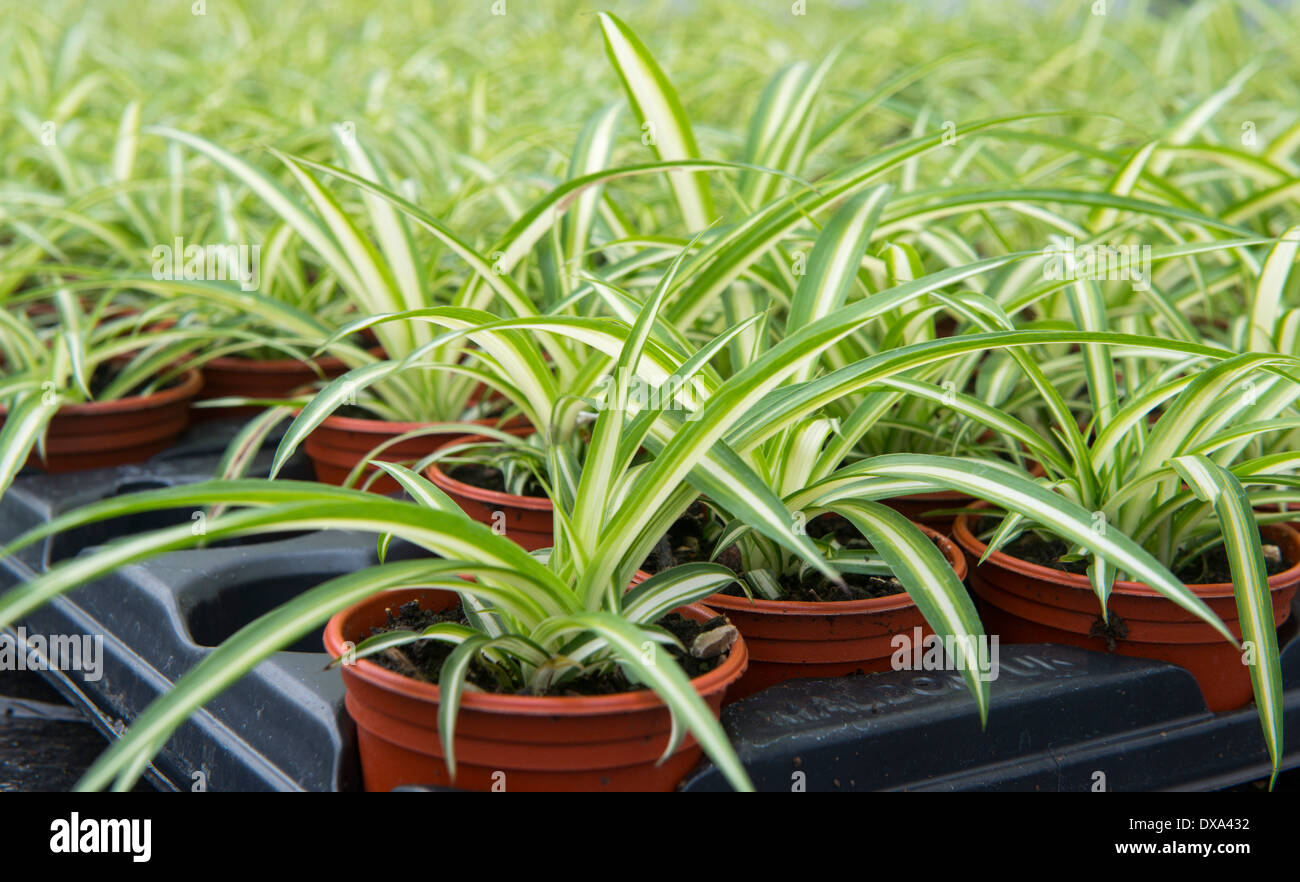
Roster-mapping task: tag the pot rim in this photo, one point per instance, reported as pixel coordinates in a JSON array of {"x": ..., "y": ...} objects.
[
  {"x": 891, "y": 602},
  {"x": 966, "y": 539},
  {"x": 532, "y": 705},
  {"x": 387, "y": 427},
  {"x": 235, "y": 363},
  {"x": 481, "y": 494},
  {"x": 189, "y": 386}
]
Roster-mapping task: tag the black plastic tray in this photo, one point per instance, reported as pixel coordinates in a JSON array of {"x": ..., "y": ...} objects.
[
  {"x": 1061, "y": 717},
  {"x": 282, "y": 727}
]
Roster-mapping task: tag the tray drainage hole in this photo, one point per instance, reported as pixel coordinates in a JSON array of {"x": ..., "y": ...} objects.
[
  {"x": 70, "y": 543},
  {"x": 215, "y": 618},
  {"x": 128, "y": 487}
]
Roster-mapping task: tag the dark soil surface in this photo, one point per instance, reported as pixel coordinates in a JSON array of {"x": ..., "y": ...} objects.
[
  {"x": 687, "y": 541},
  {"x": 491, "y": 478},
  {"x": 1044, "y": 551},
  {"x": 423, "y": 660},
  {"x": 1208, "y": 568},
  {"x": 1212, "y": 567},
  {"x": 814, "y": 587},
  {"x": 356, "y": 411},
  {"x": 105, "y": 374}
]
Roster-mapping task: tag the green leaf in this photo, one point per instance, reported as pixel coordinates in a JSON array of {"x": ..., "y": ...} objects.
[
  {"x": 663, "y": 120},
  {"x": 662, "y": 675},
  {"x": 681, "y": 585},
  {"x": 1004, "y": 488},
  {"x": 242, "y": 652},
  {"x": 339, "y": 390},
  {"x": 447, "y": 632},
  {"x": 23, "y": 426},
  {"x": 1216, "y": 485},
  {"x": 932, "y": 584}
]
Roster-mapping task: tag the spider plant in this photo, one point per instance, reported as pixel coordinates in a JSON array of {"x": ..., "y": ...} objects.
[
  {"x": 816, "y": 462},
  {"x": 715, "y": 266},
  {"x": 96, "y": 349},
  {"x": 1163, "y": 458},
  {"x": 527, "y": 610},
  {"x": 784, "y": 394},
  {"x": 524, "y": 615}
]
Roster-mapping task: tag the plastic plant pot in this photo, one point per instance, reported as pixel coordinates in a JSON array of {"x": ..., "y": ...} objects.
[
  {"x": 234, "y": 377},
  {"x": 521, "y": 742},
  {"x": 97, "y": 434},
  {"x": 528, "y": 520},
  {"x": 1024, "y": 602},
  {"x": 339, "y": 443},
  {"x": 793, "y": 640}
]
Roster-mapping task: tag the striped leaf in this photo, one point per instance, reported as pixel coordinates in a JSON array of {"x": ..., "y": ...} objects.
[
  {"x": 1058, "y": 515},
  {"x": 667, "y": 681},
  {"x": 1217, "y": 486},
  {"x": 661, "y": 115},
  {"x": 932, "y": 584}
]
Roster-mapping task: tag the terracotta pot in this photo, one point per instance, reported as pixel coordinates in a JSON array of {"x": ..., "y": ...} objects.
[
  {"x": 231, "y": 376},
  {"x": 528, "y": 520},
  {"x": 339, "y": 443},
  {"x": 792, "y": 640},
  {"x": 98, "y": 434},
  {"x": 1024, "y": 602},
  {"x": 524, "y": 742}
]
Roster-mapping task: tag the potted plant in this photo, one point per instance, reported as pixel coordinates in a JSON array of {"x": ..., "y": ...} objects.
[
  {"x": 496, "y": 482},
  {"x": 1169, "y": 464},
  {"x": 92, "y": 387},
  {"x": 529, "y": 624},
  {"x": 607, "y": 519},
  {"x": 775, "y": 399},
  {"x": 796, "y": 446},
  {"x": 781, "y": 411},
  {"x": 521, "y": 612},
  {"x": 799, "y": 624},
  {"x": 1163, "y": 465}
]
